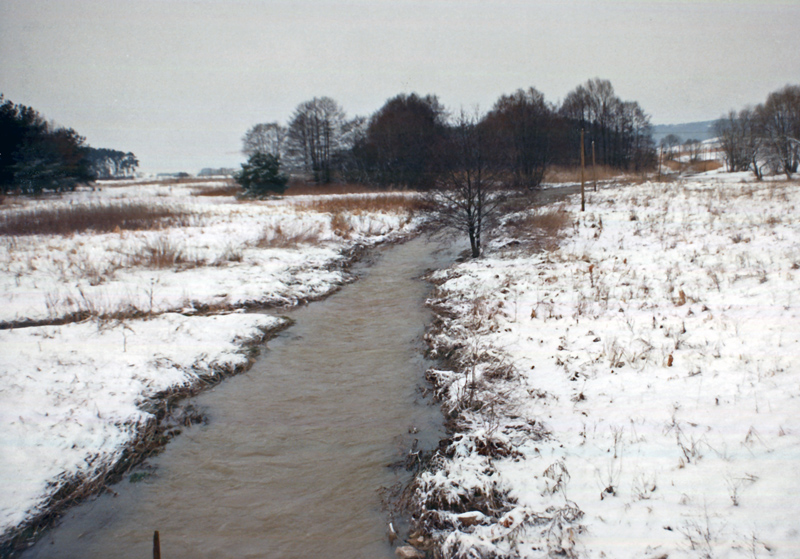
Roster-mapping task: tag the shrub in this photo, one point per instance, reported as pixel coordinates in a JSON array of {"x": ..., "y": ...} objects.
[{"x": 261, "y": 175}]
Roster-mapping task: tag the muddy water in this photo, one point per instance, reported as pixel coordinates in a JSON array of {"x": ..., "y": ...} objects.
[{"x": 291, "y": 462}]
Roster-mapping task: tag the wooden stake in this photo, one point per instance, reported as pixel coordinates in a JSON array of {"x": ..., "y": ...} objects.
[
  {"x": 583, "y": 195},
  {"x": 660, "y": 157},
  {"x": 594, "y": 168},
  {"x": 156, "y": 546}
]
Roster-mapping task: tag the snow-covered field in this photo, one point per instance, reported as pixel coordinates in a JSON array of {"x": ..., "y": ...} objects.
[
  {"x": 160, "y": 309},
  {"x": 634, "y": 393}
]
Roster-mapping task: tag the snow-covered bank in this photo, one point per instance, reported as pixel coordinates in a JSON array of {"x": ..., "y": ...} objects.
[
  {"x": 161, "y": 310},
  {"x": 214, "y": 256},
  {"x": 633, "y": 393},
  {"x": 73, "y": 395}
]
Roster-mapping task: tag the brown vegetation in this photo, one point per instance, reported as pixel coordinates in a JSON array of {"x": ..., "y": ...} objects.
[
  {"x": 542, "y": 228},
  {"x": 278, "y": 238},
  {"x": 694, "y": 167},
  {"x": 162, "y": 252},
  {"x": 302, "y": 188},
  {"x": 100, "y": 218},
  {"x": 228, "y": 188},
  {"x": 561, "y": 174},
  {"x": 704, "y": 166}
]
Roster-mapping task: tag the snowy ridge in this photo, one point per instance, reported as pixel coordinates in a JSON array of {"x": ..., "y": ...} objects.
[{"x": 632, "y": 394}]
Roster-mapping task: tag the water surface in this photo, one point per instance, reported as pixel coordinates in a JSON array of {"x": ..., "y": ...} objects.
[{"x": 296, "y": 449}]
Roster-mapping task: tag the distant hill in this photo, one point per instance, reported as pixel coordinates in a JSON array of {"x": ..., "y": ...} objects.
[{"x": 686, "y": 131}]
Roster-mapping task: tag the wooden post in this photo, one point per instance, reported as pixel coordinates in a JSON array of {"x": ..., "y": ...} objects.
[
  {"x": 594, "y": 168},
  {"x": 583, "y": 194},
  {"x": 660, "y": 157},
  {"x": 156, "y": 546}
]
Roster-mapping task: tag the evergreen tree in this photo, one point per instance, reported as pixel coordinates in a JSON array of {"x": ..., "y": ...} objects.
[{"x": 261, "y": 175}]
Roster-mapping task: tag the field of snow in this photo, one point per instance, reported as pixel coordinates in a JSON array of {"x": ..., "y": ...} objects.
[
  {"x": 634, "y": 393},
  {"x": 142, "y": 312}
]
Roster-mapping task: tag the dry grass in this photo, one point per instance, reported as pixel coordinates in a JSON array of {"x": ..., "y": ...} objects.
[
  {"x": 163, "y": 182},
  {"x": 559, "y": 174},
  {"x": 704, "y": 166},
  {"x": 302, "y": 188},
  {"x": 390, "y": 202},
  {"x": 100, "y": 218},
  {"x": 161, "y": 252},
  {"x": 278, "y": 238},
  {"x": 229, "y": 188},
  {"x": 696, "y": 167},
  {"x": 541, "y": 228}
]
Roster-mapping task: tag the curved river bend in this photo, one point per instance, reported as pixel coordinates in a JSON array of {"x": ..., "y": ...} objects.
[{"x": 296, "y": 449}]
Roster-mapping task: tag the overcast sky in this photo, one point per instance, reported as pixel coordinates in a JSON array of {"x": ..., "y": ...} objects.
[{"x": 178, "y": 82}]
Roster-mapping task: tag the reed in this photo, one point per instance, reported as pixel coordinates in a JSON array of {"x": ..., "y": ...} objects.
[{"x": 97, "y": 217}]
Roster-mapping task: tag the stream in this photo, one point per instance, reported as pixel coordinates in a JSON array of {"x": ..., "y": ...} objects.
[{"x": 296, "y": 449}]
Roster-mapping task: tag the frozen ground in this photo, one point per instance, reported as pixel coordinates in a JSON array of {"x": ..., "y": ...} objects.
[
  {"x": 161, "y": 309},
  {"x": 634, "y": 393}
]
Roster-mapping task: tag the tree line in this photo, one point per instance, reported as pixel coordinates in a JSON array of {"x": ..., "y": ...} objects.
[
  {"x": 472, "y": 166},
  {"x": 36, "y": 155},
  {"x": 766, "y": 136},
  {"x": 405, "y": 143}
]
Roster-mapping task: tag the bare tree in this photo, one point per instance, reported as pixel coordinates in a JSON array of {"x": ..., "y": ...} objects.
[
  {"x": 468, "y": 194},
  {"x": 316, "y": 133},
  {"x": 781, "y": 120},
  {"x": 524, "y": 126},
  {"x": 754, "y": 144},
  {"x": 694, "y": 148},
  {"x": 266, "y": 139},
  {"x": 668, "y": 144},
  {"x": 731, "y": 139},
  {"x": 620, "y": 129}
]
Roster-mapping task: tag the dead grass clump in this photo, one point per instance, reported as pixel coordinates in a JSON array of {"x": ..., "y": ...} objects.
[
  {"x": 278, "y": 238},
  {"x": 542, "y": 228},
  {"x": 341, "y": 225},
  {"x": 222, "y": 189},
  {"x": 390, "y": 202},
  {"x": 161, "y": 252},
  {"x": 100, "y": 218}
]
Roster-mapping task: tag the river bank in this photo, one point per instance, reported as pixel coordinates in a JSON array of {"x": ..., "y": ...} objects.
[
  {"x": 295, "y": 449},
  {"x": 84, "y": 400},
  {"x": 629, "y": 391}
]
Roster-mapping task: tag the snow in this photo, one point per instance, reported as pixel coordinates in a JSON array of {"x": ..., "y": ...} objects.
[
  {"x": 636, "y": 390},
  {"x": 73, "y": 396}
]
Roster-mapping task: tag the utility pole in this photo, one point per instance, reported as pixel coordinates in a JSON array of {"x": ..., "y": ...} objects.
[
  {"x": 583, "y": 193},
  {"x": 660, "y": 157}
]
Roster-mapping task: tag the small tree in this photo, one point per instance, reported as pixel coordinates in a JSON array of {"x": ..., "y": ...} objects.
[
  {"x": 468, "y": 195},
  {"x": 261, "y": 175},
  {"x": 668, "y": 144}
]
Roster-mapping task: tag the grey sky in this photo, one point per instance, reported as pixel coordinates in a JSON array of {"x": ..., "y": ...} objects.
[{"x": 178, "y": 82}]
